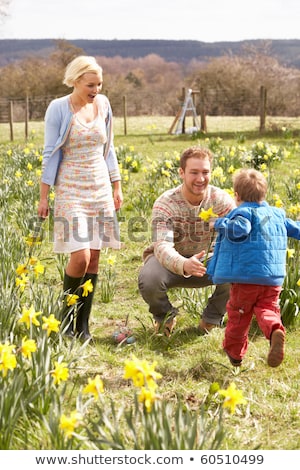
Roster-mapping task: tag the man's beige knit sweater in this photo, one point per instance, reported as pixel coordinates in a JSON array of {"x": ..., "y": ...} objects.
[{"x": 177, "y": 230}]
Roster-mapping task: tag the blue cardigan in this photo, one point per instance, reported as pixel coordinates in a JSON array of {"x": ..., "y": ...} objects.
[
  {"x": 58, "y": 120},
  {"x": 251, "y": 245}
]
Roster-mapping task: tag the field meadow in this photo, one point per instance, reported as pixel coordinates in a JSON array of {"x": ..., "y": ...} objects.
[{"x": 154, "y": 392}]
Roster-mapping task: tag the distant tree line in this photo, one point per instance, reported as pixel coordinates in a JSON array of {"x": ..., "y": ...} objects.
[
  {"x": 287, "y": 51},
  {"x": 229, "y": 85}
]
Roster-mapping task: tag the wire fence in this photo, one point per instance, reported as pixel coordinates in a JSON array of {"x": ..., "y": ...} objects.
[{"x": 207, "y": 102}]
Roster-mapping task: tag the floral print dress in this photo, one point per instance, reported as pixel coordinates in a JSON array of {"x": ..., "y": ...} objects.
[{"x": 84, "y": 213}]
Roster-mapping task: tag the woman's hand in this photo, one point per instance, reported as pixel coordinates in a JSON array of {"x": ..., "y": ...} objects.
[
  {"x": 43, "y": 208},
  {"x": 118, "y": 198}
]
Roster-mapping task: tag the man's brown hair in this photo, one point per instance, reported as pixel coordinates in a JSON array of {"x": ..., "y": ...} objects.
[{"x": 195, "y": 152}]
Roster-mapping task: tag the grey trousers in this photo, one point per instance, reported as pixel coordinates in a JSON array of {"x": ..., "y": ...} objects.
[{"x": 154, "y": 281}]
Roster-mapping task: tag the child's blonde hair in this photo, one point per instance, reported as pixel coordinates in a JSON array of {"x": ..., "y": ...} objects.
[{"x": 250, "y": 185}]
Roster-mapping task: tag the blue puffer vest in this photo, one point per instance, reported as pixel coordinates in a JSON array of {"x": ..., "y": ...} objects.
[{"x": 251, "y": 245}]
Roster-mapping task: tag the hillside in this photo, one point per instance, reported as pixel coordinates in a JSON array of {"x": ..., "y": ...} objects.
[{"x": 287, "y": 52}]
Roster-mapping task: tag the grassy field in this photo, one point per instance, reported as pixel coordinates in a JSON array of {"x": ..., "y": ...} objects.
[
  {"x": 149, "y": 126},
  {"x": 189, "y": 363}
]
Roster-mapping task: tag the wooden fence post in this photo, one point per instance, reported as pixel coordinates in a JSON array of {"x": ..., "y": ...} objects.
[
  {"x": 203, "y": 126},
  {"x": 125, "y": 114},
  {"x": 26, "y": 115},
  {"x": 183, "y": 120},
  {"x": 11, "y": 120},
  {"x": 263, "y": 108}
]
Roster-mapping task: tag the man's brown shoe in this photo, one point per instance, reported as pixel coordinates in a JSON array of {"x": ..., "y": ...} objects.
[
  {"x": 165, "y": 327},
  {"x": 276, "y": 353},
  {"x": 206, "y": 327}
]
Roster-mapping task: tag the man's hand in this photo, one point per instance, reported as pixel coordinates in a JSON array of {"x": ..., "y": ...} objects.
[{"x": 193, "y": 266}]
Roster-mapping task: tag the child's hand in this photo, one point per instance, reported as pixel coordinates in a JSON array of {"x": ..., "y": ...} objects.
[{"x": 212, "y": 223}]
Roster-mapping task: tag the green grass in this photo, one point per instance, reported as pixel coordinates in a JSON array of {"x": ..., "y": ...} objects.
[
  {"x": 155, "y": 128},
  {"x": 188, "y": 362}
]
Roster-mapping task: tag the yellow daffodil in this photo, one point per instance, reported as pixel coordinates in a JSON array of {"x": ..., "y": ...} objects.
[
  {"x": 8, "y": 359},
  {"x": 168, "y": 164},
  {"x": 95, "y": 386},
  {"x": 29, "y": 166},
  {"x": 22, "y": 281},
  {"x": 111, "y": 260},
  {"x": 141, "y": 372},
  {"x": 32, "y": 240},
  {"x": 22, "y": 269},
  {"x": 72, "y": 299},
  {"x": 68, "y": 423},
  {"x": 87, "y": 287},
  {"x": 29, "y": 316},
  {"x": 298, "y": 283},
  {"x": 232, "y": 397},
  {"x": 229, "y": 191},
  {"x": 278, "y": 203},
  {"x": 38, "y": 269},
  {"x": 290, "y": 253},
  {"x": 60, "y": 373},
  {"x": 214, "y": 388},
  {"x": 148, "y": 397},
  {"x": 50, "y": 324},
  {"x": 28, "y": 347},
  {"x": 206, "y": 215},
  {"x": 218, "y": 173}
]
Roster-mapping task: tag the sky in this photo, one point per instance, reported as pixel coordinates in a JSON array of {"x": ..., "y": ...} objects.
[{"x": 201, "y": 20}]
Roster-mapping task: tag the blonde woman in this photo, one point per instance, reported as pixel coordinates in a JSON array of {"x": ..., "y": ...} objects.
[{"x": 80, "y": 160}]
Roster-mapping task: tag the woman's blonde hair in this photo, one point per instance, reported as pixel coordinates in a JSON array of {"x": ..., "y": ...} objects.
[
  {"x": 79, "y": 66},
  {"x": 250, "y": 184}
]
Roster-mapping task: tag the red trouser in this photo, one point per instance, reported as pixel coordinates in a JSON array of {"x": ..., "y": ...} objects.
[{"x": 245, "y": 301}]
